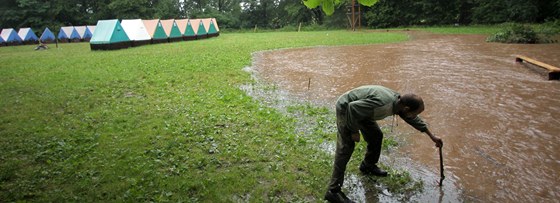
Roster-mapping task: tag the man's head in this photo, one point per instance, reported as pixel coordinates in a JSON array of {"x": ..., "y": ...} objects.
[{"x": 410, "y": 105}]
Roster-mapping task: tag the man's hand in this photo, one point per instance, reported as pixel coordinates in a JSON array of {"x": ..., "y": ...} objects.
[
  {"x": 356, "y": 137},
  {"x": 437, "y": 140},
  {"x": 434, "y": 138}
]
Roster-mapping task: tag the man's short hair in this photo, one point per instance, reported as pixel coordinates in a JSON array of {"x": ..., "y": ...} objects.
[{"x": 414, "y": 102}]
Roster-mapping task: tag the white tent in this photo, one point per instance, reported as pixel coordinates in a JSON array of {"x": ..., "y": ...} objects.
[
  {"x": 91, "y": 28},
  {"x": 136, "y": 31},
  {"x": 68, "y": 34},
  {"x": 27, "y": 35},
  {"x": 81, "y": 31},
  {"x": 10, "y": 36}
]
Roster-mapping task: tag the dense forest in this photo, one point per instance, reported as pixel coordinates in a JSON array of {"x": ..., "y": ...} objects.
[{"x": 274, "y": 14}]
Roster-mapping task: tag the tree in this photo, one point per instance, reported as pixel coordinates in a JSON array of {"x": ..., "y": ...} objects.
[
  {"x": 294, "y": 12},
  {"x": 168, "y": 9},
  {"x": 499, "y": 11},
  {"x": 329, "y": 5}
]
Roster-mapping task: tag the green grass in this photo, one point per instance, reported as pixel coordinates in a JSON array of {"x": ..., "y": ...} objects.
[
  {"x": 480, "y": 29},
  {"x": 163, "y": 123},
  {"x": 475, "y": 29}
]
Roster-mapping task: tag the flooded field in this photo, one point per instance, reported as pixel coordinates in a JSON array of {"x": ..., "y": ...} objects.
[{"x": 499, "y": 120}]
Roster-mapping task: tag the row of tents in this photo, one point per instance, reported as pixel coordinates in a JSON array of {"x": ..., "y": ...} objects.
[
  {"x": 9, "y": 36},
  {"x": 115, "y": 34}
]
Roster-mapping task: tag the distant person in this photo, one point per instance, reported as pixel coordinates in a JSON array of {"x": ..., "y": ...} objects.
[
  {"x": 357, "y": 111},
  {"x": 41, "y": 46}
]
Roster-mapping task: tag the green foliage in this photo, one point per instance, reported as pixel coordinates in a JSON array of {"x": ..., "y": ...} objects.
[
  {"x": 397, "y": 13},
  {"x": 158, "y": 123},
  {"x": 329, "y": 5},
  {"x": 500, "y": 11},
  {"x": 549, "y": 30},
  {"x": 269, "y": 14},
  {"x": 523, "y": 34}
]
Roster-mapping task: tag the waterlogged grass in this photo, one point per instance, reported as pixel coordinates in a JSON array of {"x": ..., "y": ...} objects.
[
  {"x": 322, "y": 123},
  {"x": 163, "y": 123}
]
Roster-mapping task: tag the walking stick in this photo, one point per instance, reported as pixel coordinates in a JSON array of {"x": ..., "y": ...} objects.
[{"x": 441, "y": 167}]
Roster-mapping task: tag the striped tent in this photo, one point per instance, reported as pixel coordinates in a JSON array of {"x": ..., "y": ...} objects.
[
  {"x": 10, "y": 36},
  {"x": 186, "y": 29},
  {"x": 91, "y": 28},
  {"x": 198, "y": 28},
  {"x": 181, "y": 24},
  {"x": 156, "y": 31},
  {"x": 68, "y": 34},
  {"x": 216, "y": 24},
  {"x": 47, "y": 36},
  {"x": 81, "y": 30},
  {"x": 171, "y": 30},
  {"x": 27, "y": 36},
  {"x": 210, "y": 27},
  {"x": 87, "y": 35},
  {"x": 89, "y": 32}
]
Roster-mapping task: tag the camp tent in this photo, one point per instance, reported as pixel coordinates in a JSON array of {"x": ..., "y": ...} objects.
[
  {"x": 87, "y": 35},
  {"x": 91, "y": 28},
  {"x": 81, "y": 30},
  {"x": 84, "y": 32},
  {"x": 155, "y": 30},
  {"x": 47, "y": 36},
  {"x": 27, "y": 35},
  {"x": 216, "y": 26},
  {"x": 172, "y": 30},
  {"x": 2, "y": 43},
  {"x": 194, "y": 25},
  {"x": 89, "y": 32},
  {"x": 182, "y": 25},
  {"x": 201, "y": 32},
  {"x": 109, "y": 35},
  {"x": 10, "y": 36},
  {"x": 68, "y": 34},
  {"x": 198, "y": 28},
  {"x": 136, "y": 32},
  {"x": 186, "y": 29},
  {"x": 209, "y": 26}
]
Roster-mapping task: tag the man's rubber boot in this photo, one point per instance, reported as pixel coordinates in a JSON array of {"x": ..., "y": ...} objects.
[
  {"x": 337, "y": 197},
  {"x": 372, "y": 170}
]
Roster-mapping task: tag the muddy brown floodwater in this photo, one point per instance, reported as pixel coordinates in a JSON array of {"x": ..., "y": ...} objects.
[{"x": 500, "y": 120}]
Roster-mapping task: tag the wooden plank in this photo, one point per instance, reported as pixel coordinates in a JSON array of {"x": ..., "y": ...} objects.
[
  {"x": 551, "y": 68},
  {"x": 553, "y": 71}
]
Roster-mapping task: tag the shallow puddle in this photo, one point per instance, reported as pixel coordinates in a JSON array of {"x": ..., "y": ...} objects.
[{"x": 499, "y": 119}]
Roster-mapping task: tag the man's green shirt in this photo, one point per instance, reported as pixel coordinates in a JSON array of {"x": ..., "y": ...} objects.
[{"x": 372, "y": 102}]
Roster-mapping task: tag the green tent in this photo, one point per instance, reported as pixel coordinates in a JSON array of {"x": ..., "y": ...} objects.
[
  {"x": 156, "y": 31},
  {"x": 201, "y": 32},
  {"x": 209, "y": 26},
  {"x": 189, "y": 33},
  {"x": 109, "y": 35},
  {"x": 171, "y": 30}
]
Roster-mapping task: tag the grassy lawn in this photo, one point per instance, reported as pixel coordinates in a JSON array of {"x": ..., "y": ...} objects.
[
  {"x": 475, "y": 29},
  {"x": 164, "y": 122},
  {"x": 480, "y": 29}
]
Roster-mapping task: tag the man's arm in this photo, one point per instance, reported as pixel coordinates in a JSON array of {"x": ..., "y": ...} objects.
[
  {"x": 420, "y": 125},
  {"x": 437, "y": 140}
]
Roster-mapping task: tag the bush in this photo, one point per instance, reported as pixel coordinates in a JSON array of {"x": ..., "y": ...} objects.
[
  {"x": 523, "y": 34},
  {"x": 548, "y": 30}
]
